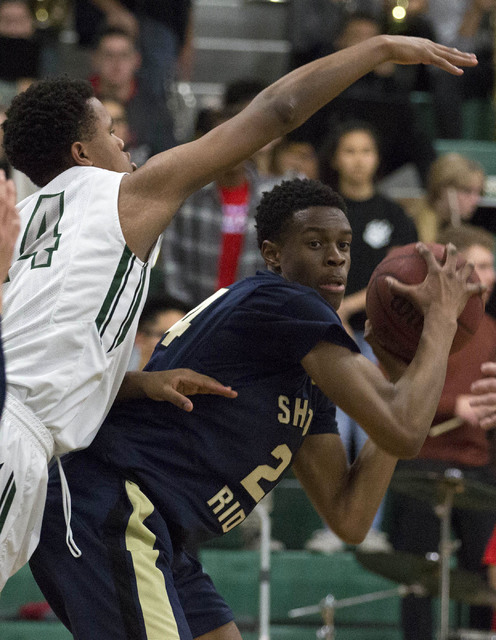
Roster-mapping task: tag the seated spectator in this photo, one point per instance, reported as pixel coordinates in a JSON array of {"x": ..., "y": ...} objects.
[
  {"x": 467, "y": 25},
  {"x": 454, "y": 188},
  {"x": 117, "y": 110},
  {"x": 115, "y": 62},
  {"x": 295, "y": 158},
  {"x": 163, "y": 30},
  {"x": 158, "y": 315},
  {"x": 20, "y": 50}
]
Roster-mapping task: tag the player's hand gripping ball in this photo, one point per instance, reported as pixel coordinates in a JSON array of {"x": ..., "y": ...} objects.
[{"x": 396, "y": 323}]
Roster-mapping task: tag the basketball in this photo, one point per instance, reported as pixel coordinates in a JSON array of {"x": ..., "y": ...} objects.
[{"x": 396, "y": 323}]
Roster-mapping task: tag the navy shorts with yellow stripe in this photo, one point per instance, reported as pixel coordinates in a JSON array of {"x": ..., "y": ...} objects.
[{"x": 130, "y": 582}]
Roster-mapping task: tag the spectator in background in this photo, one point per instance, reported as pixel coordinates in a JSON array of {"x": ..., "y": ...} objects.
[
  {"x": 378, "y": 225},
  {"x": 237, "y": 95},
  {"x": 379, "y": 99},
  {"x": 158, "y": 315},
  {"x": 117, "y": 110},
  {"x": 414, "y": 524},
  {"x": 212, "y": 240},
  {"x": 163, "y": 30},
  {"x": 116, "y": 62},
  {"x": 462, "y": 23},
  {"x": 20, "y": 50},
  {"x": 293, "y": 158},
  {"x": 314, "y": 25},
  {"x": 455, "y": 186}
]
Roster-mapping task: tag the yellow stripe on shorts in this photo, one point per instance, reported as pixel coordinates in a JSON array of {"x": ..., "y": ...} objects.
[{"x": 154, "y": 599}]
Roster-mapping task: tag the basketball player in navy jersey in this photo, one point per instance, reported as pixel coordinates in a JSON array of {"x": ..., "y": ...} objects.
[{"x": 155, "y": 475}]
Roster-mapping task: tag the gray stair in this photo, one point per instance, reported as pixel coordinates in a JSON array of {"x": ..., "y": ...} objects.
[{"x": 237, "y": 39}]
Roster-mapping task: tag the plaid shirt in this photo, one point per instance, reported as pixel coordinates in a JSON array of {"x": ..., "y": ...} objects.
[{"x": 192, "y": 242}]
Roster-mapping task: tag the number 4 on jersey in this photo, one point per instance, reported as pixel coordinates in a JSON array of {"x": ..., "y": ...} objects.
[{"x": 42, "y": 236}]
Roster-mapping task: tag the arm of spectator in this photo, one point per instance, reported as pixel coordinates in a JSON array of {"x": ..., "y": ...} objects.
[{"x": 117, "y": 15}]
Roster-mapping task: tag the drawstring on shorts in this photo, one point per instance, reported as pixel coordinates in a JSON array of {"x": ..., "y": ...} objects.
[{"x": 66, "y": 503}]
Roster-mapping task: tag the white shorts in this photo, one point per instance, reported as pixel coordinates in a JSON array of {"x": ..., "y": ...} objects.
[{"x": 26, "y": 447}]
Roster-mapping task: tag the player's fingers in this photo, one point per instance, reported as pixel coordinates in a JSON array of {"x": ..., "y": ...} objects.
[
  {"x": 451, "y": 257},
  {"x": 400, "y": 288},
  {"x": 191, "y": 382},
  {"x": 451, "y": 60},
  {"x": 169, "y": 394},
  {"x": 427, "y": 255}
]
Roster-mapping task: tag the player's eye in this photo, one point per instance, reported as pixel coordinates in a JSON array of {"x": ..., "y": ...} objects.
[{"x": 315, "y": 244}]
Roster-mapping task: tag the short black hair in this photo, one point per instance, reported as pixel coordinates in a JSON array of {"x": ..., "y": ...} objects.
[
  {"x": 43, "y": 122},
  {"x": 157, "y": 304},
  {"x": 276, "y": 208},
  {"x": 108, "y": 31}
]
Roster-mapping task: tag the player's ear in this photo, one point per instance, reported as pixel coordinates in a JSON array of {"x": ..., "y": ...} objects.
[
  {"x": 271, "y": 254},
  {"x": 79, "y": 155}
]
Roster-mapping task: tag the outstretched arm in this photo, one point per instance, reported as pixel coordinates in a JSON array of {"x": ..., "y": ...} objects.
[
  {"x": 172, "y": 386},
  {"x": 157, "y": 189}
]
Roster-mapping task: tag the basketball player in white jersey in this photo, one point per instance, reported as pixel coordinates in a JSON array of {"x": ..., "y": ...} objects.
[{"x": 80, "y": 271}]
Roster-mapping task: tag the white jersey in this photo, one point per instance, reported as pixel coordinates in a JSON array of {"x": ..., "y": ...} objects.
[{"x": 71, "y": 304}]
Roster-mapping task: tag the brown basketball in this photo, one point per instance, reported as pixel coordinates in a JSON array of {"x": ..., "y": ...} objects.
[{"x": 396, "y": 323}]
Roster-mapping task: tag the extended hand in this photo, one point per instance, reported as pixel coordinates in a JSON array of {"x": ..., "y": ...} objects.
[
  {"x": 410, "y": 50},
  {"x": 174, "y": 385}
]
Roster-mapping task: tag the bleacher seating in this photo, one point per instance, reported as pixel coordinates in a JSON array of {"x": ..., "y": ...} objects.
[{"x": 479, "y": 117}]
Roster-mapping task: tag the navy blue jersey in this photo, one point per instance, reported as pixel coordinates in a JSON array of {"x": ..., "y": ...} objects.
[{"x": 206, "y": 470}]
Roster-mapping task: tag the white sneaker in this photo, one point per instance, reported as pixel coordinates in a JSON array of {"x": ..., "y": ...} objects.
[
  {"x": 324, "y": 541},
  {"x": 375, "y": 540}
]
